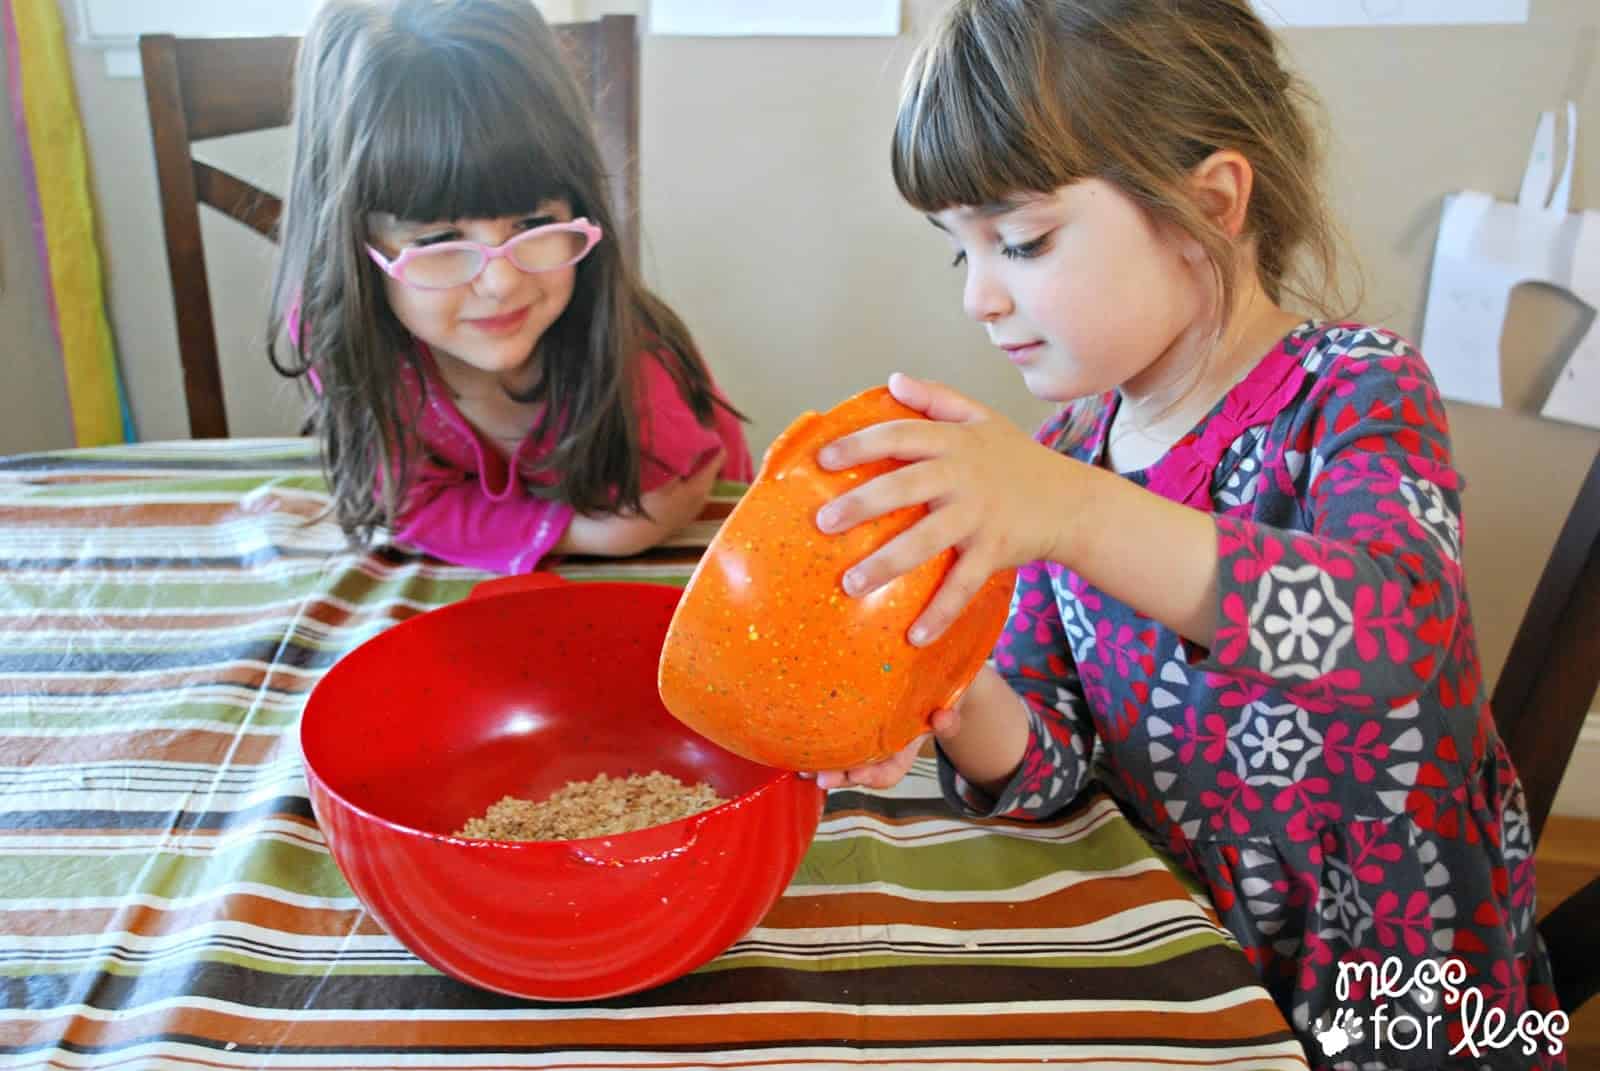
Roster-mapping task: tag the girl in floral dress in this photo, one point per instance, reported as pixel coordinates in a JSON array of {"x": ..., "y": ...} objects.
[{"x": 1239, "y": 542}]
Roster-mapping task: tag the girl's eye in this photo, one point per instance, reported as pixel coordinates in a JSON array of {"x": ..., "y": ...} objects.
[
  {"x": 528, "y": 223},
  {"x": 436, "y": 238},
  {"x": 1026, "y": 250}
]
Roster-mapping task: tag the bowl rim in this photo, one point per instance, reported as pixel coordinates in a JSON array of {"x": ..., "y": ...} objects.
[{"x": 776, "y": 776}]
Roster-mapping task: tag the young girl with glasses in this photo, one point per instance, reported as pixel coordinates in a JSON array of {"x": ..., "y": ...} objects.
[
  {"x": 492, "y": 382},
  {"x": 1239, "y": 542}
]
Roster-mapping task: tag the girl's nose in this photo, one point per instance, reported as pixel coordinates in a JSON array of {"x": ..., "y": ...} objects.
[
  {"x": 984, "y": 298},
  {"x": 499, "y": 277}
]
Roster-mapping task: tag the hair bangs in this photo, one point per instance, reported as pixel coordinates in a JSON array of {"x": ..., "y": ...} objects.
[
  {"x": 452, "y": 147},
  {"x": 968, "y": 128}
]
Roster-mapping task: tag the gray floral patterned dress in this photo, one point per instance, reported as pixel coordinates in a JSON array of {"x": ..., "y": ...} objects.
[{"x": 1329, "y": 769}]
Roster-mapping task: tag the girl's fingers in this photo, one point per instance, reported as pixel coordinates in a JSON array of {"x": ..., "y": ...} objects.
[
  {"x": 960, "y": 587},
  {"x": 902, "y": 440},
  {"x": 945, "y": 723},
  {"x": 935, "y": 400},
  {"x": 909, "y": 486},
  {"x": 928, "y": 537}
]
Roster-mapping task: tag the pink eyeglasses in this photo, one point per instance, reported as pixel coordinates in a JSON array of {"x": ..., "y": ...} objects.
[{"x": 449, "y": 264}]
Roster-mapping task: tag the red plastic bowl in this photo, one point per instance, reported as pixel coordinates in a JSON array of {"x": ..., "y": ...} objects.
[{"x": 517, "y": 693}]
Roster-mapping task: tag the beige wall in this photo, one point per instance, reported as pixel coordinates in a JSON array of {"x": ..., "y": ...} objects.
[{"x": 773, "y": 227}]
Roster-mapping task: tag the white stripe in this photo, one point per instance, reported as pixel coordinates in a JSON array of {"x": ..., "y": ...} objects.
[
  {"x": 942, "y": 1056},
  {"x": 214, "y": 894},
  {"x": 296, "y": 834},
  {"x": 1029, "y": 890},
  {"x": 1232, "y": 999}
]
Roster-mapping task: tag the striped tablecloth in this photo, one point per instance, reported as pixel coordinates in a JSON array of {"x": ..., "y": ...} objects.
[{"x": 167, "y": 901}]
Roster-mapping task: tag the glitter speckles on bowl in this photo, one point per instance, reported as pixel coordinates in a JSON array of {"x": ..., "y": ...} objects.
[{"x": 766, "y": 654}]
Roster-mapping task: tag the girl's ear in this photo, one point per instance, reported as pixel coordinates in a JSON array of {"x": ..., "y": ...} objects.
[{"x": 1222, "y": 183}]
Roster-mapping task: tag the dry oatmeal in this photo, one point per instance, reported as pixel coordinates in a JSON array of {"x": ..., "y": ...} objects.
[{"x": 597, "y": 808}]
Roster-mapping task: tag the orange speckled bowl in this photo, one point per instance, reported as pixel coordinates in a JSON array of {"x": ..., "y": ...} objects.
[{"x": 768, "y": 657}]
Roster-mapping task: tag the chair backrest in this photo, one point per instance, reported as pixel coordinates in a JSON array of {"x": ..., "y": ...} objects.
[
  {"x": 209, "y": 87},
  {"x": 1549, "y": 679}
]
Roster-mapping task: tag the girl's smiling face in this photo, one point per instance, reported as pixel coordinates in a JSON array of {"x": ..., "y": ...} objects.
[
  {"x": 1079, "y": 287},
  {"x": 490, "y": 325}
]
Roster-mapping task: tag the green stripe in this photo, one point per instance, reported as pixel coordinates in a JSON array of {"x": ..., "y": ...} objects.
[
  {"x": 995, "y": 863},
  {"x": 137, "y": 492},
  {"x": 1144, "y": 956},
  {"x": 290, "y": 867},
  {"x": 132, "y": 716}
]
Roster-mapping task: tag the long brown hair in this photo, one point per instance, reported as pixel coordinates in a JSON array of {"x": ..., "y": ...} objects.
[
  {"x": 1018, "y": 96},
  {"x": 444, "y": 110}
]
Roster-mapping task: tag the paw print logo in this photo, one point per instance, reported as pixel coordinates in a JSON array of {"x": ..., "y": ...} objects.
[{"x": 1337, "y": 1036}]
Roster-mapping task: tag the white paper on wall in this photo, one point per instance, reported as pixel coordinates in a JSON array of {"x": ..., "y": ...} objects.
[
  {"x": 792, "y": 18},
  {"x": 1486, "y": 249},
  {"x": 1391, "y": 12}
]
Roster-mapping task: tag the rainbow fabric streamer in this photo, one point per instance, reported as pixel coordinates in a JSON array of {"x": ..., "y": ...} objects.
[{"x": 55, "y": 175}]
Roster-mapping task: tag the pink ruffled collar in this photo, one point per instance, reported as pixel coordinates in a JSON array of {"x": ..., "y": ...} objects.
[{"x": 1185, "y": 472}]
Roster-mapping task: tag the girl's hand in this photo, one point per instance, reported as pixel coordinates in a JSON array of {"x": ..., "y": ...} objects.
[
  {"x": 889, "y": 772},
  {"x": 992, "y": 492},
  {"x": 666, "y": 509}
]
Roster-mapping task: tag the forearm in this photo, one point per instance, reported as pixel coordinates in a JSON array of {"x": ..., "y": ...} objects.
[
  {"x": 1156, "y": 556},
  {"x": 614, "y": 535},
  {"x": 994, "y": 733}
]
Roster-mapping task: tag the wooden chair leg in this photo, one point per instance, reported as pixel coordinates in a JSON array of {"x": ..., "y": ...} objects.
[{"x": 1572, "y": 935}]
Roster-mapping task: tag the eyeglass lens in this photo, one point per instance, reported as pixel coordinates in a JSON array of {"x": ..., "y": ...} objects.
[{"x": 534, "y": 251}]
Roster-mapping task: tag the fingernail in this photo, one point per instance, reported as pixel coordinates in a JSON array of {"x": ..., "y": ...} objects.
[
  {"x": 827, "y": 457},
  {"x": 920, "y": 635},
  {"x": 854, "y": 583},
  {"x": 827, "y": 517}
]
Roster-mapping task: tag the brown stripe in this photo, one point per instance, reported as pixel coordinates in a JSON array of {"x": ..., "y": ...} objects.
[
  {"x": 1253, "y": 1020},
  {"x": 316, "y": 608},
  {"x": 147, "y": 921},
  {"x": 133, "y": 513},
  {"x": 157, "y": 745},
  {"x": 278, "y": 678}
]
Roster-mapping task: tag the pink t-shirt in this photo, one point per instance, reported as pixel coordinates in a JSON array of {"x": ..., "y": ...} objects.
[{"x": 467, "y": 503}]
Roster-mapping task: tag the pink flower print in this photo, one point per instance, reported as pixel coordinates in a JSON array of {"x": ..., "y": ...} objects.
[
  {"x": 1381, "y": 616},
  {"x": 1377, "y": 476},
  {"x": 1119, "y": 725},
  {"x": 1308, "y": 800},
  {"x": 1404, "y": 369},
  {"x": 1327, "y": 556},
  {"x": 1211, "y": 731},
  {"x": 1359, "y": 754},
  {"x": 1036, "y": 770},
  {"x": 1237, "y": 693},
  {"x": 1124, "y": 648},
  {"x": 1409, "y": 927},
  {"x": 1373, "y": 847},
  {"x": 1505, "y": 986},
  {"x": 1233, "y": 634},
  {"x": 1032, "y": 614},
  {"x": 1233, "y": 804},
  {"x": 1081, "y": 589},
  {"x": 1095, "y": 692},
  {"x": 1257, "y": 551},
  {"x": 1332, "y": 691},
  {"x": 1315, "y": 956}
]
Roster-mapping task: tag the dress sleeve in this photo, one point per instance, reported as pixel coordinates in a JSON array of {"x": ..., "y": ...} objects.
[
  {"x": 673, "y": 443},
  {"x": 1034, "y": 659},
  {"x": 449, "y": 515},
  {"x": 1358, "y": 605}
]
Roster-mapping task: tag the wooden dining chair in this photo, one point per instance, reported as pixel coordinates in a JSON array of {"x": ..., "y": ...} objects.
[
  {"x": 1540, "y": 703},
  {"x": 198, "y": 88}
]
